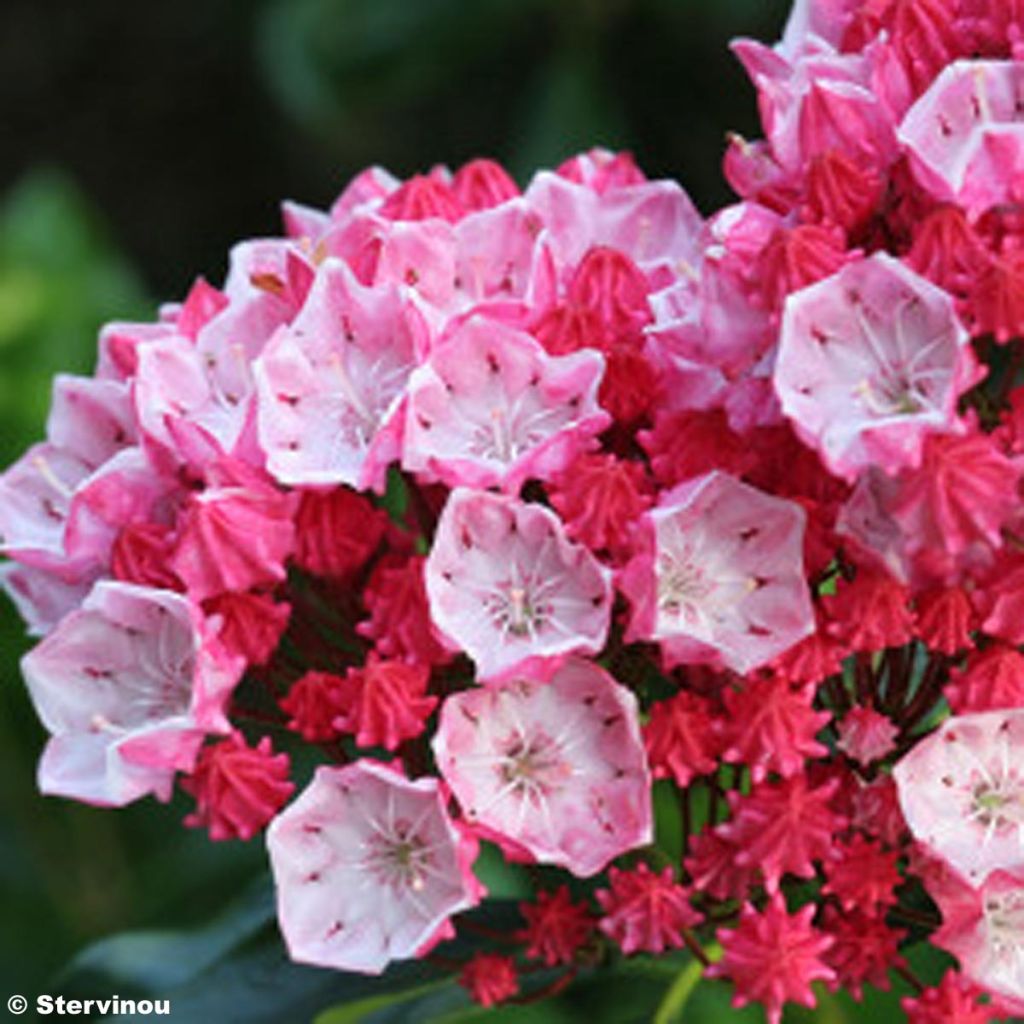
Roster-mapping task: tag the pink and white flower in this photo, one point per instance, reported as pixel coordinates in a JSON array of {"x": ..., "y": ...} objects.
[
  {"x": 331, "y": 385},
  {"x": 962, "y": 792},
  {"x": 965, "y": 135},
  {"x": 128, "y": 686},
  {"x": 719, "y": 575},
  {"x": 492, "y": 408},
  {"x": 556, "y": 767},
  {"x": 509, "y": 588},
  {"x": 369, "y": 868},
  {"x": 871, "y": 360}
]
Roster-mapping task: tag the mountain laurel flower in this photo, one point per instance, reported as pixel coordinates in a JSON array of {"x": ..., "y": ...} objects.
[
  {"x": 490, "y": 408},
  {"x": 557, "y": 768},
  {"x": 369, "y": 868},
  {"x": 128, "y": 687},
  {"x": 719, "y": 576},
  {"x": 870, "y": 360},
  {"x": 962, "y": 792},
  {"x": 510, "y": 589}
]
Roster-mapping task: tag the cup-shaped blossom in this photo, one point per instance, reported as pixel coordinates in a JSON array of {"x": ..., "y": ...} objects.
[
  {"x": 557, "y": 768},
  {"x": 870, "y": 361},
  {"x": 127, "y": 685},
  {"x": 983, "y": 927},
  {"x": 506, "y": 585},
  {"x": 962, "y": 792},
  {"x": 368, "y": 867},
  {"x": 331, "y": 385},
  {"x": 492, "y": 408},
  {"x": 965, "y": 135},
  {"x": 718, "y": 577}
]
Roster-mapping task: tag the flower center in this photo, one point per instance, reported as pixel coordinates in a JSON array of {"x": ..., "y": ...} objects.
[
  {"x": 401, "y": 859},
  {"x": 681, "y": 586},
  {"x": 532, "y": 766}
]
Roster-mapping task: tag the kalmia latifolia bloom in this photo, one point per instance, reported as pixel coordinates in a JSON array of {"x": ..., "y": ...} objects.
[{"x": 678, "y": 559}]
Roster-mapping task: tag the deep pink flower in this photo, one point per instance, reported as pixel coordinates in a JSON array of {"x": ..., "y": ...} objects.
[
  {"x": 237, "y": 788},
  {"x": 991, "y": 679},
  {"x": 645, "y": 911},
  {"x": 863, "y": 875},
  {"x": 313, "y": 703},
  {"x": 863, "y": 951},
  {"x": 945, "y": 619},
  {"x": 556, "y": 927},
  {"x": 773, "y": 957},
  {"x": 682, "y": 738},
  {"x": 480, "y": 184},
  {"x": 399, "y": 624},
  {"x": 251, "y": 624},
  {"x": 384, "y": 702},
  {"x": 490, "y": 978},
  {"x": 599, "y": 498},
  {"x": 336, "y": 532},
  {"x": 784, "y": 828},
  {"x": 770, "y": 725},
  {"x": 866, "y": 736},
  {"x": 955, "y": 1000}
]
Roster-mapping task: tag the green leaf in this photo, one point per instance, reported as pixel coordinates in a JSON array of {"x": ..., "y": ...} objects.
[{"x": 156, "y": 962}]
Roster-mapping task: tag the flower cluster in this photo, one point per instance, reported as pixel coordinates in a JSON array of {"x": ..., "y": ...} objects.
[{"x": 509, "y": 503}]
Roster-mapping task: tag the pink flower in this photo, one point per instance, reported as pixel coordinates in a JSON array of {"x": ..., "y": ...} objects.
[
  {"x": 128, "y": 685},
  {"x": 681, "y": 738},
  {"x": 336, "y": 532},
  {"x": 507, "y": 586},
  {"x": 784, "y": 827},
  {"x": 866, "y": 736},
  {"x": 645, "y": 911},
  {"x": 719, "y": 577},
  {"x": 490, "y": 978},
  {"x": 983, "y": 927},
  {"x": 368, "y": 868},
  {"x": 954, "y": 1000},
  {"x": 556, "y": 767},
  {"x": 384, "y": 702},
  {"x": 962, "y": 792},
  {"x": 237, "y": 788},
  {"x": 864, "y": 875},
  {"x": 399, "y": 624},
  {"x": 990, "y": 680},
  {"x": 313, "y": 704},
  {"x": 964, "y": 135},
  {"x": 234, "y": 537},
  {"x": 491, "y": 409},
  {"x": 556, "y": 928},
  {"x": 251, "y": 624},
  {"x": 863, "y": 951},
  {"x": 871, "y": 360},
  {"x": 773, "y": 957},
  {"x": 770, "y": 725},
  {"x": 331, "y": 385}
]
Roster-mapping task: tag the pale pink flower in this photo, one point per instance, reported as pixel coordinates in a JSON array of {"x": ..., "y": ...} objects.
[
  {"x": 983, "y": 927},
  {"x": 719, "y": 575},
  {"x": 866, "y": 736},
  {"x": 962, "y": 792},
  {"x": 870, "y": 361},
  {"x": 128, "y": 685},
  {"x": 507, "y": 586},
  {"x": 653, "y": 222},
  {"x": 331, "y": 385},
  {"x": 492, "y": 408},
  {"x": 557, "y": 767},
  {"x": 369, "y": 868},
  {"x": 965, "y": 135}
]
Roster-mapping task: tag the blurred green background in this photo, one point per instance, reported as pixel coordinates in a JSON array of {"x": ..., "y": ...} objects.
[{"x": 137, "y": 143}]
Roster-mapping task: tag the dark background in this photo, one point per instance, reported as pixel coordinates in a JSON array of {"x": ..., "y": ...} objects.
[{"x": 138, "y": 141}]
